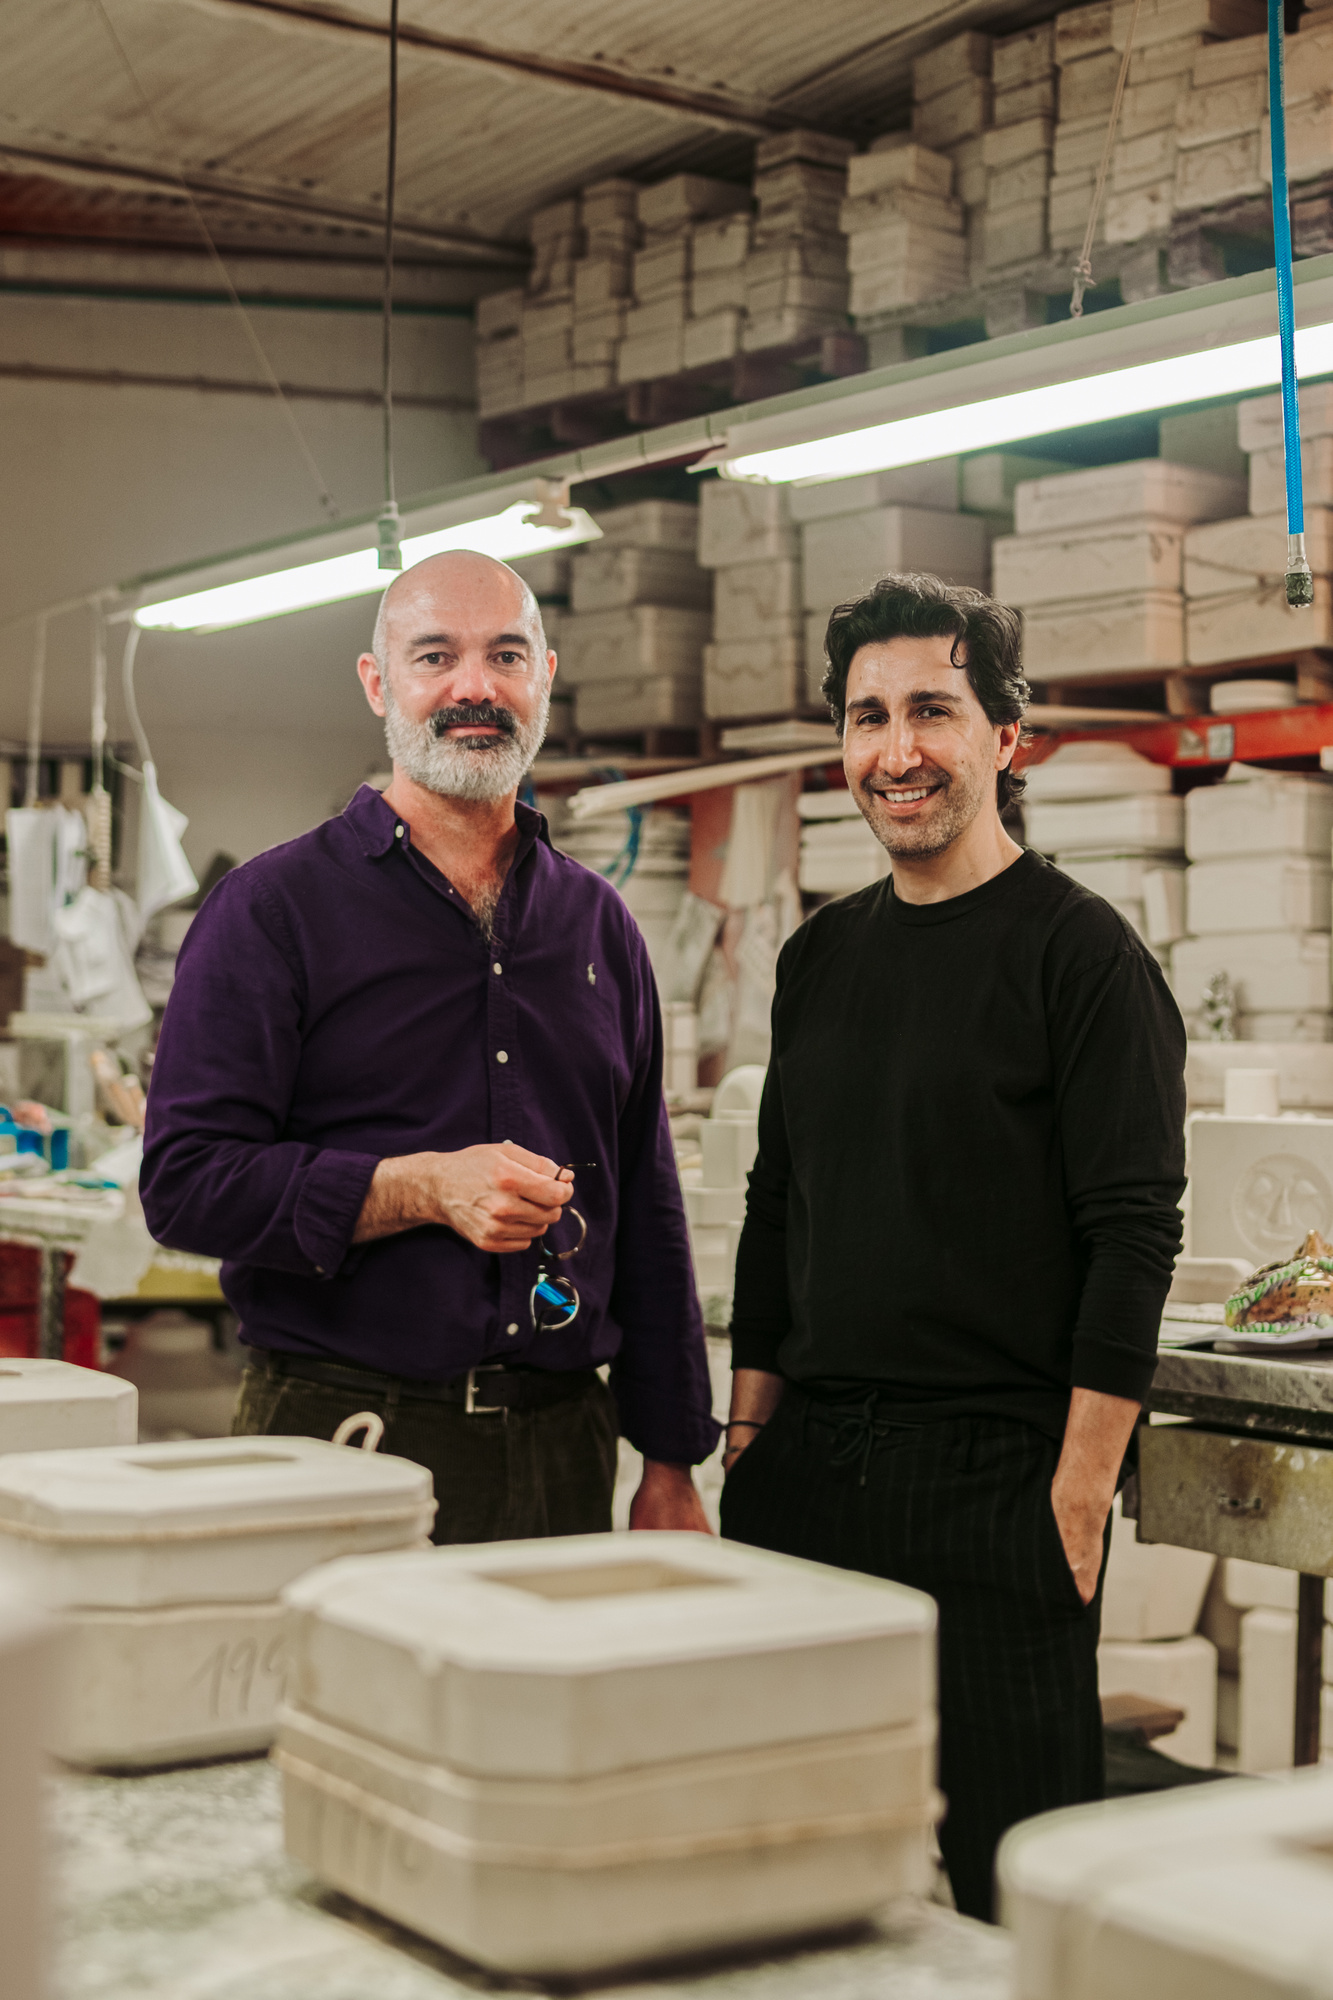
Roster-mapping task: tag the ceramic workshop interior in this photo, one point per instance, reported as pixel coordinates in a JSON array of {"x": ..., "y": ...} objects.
[{"x": 705, "y": 318}]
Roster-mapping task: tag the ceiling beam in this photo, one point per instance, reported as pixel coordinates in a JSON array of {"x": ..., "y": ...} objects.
[
  {"x": 90, "y": 170},
  {"x": 223, "y": 385},
  {"x": 754, "y": 117}
]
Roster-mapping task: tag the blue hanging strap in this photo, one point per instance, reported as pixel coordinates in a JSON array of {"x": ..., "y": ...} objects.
[{"x": 1300, "y": 583}]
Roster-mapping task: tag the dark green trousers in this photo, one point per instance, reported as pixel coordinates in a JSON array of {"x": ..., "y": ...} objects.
[{"x": 501, "y": 1477}]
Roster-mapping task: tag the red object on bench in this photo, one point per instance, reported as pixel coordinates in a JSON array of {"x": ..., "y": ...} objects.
[{"x": 19, "y": 1290}]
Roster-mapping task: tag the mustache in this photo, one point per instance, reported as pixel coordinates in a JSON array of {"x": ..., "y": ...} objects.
[
  {"x": 930, "y": 775},
  {"x": 477, "y": 712}
]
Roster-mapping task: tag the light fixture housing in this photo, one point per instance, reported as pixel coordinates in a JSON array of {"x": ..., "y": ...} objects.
[
  {"x": 1123, "y": 362},
  {"x": 508, "y": 520}
]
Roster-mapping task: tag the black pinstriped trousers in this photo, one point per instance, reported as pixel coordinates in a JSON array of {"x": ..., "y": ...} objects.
[{"x": 962, "y": 1510}]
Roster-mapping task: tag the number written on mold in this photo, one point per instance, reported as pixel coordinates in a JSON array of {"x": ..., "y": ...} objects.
[{"x": 242, "y": 1675}]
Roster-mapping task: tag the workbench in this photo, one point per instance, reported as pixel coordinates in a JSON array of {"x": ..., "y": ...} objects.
[
  {"x": 176, "y": 1887},
  {"x": 1249, "y": 1473}
]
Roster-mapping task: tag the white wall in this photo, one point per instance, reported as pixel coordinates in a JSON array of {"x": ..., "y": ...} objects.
[{"x": 260, "y": 732}]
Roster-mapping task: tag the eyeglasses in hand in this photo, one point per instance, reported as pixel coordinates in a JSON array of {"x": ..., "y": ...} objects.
[{"x": 553, "y": 1301}]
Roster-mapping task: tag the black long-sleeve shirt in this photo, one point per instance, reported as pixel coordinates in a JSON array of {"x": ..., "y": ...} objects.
[{"x": 971, "y": 1153}]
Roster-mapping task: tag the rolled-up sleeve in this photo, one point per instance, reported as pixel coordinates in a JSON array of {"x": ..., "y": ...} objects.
[
  {"x": 660, "y": 1375},
  {"x": 218, "y": 1177}
]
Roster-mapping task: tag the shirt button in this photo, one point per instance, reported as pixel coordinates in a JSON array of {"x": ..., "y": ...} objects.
[
  {"x": 497, "y": 967},
  {"x": 398, "y": 833},
  {"x": 512, "y": 1326},
  {"x": 319, "y": 1271},
  {"x": 500, "y": 1056}
]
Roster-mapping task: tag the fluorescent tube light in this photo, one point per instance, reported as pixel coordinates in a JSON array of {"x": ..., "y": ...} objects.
[
  {"x": 1029, "y": 413},
  {"x": 510, "y": 535}
]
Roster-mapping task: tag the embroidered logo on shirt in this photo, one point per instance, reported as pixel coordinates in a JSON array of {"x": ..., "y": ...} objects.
[{"x": 592, "y": 976}]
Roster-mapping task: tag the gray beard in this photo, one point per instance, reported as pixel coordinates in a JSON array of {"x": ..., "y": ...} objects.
[{"x": 480, "y": 771}]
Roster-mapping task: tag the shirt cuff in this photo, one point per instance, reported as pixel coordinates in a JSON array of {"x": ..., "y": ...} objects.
[
  {"x": 333, "y": 1191},
  {"x": 669, "y": 1437},
  {"x": 1111, "y": 1368},
  {"x": 756, "y": 1346}
]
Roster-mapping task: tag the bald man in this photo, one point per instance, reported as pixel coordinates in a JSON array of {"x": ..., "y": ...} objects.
[{"x": 409, "y": 1089}]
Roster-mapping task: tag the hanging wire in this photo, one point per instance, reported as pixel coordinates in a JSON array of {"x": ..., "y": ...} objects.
[
  {"x": 326, "y": 499},
  {"x": 100, "y": 873},
  {"x": 390, "y": 552},
  {"x": 36, "y": 693},
  {"x": 1083, "y": 269},
  {"x": 127, "y": 689}
]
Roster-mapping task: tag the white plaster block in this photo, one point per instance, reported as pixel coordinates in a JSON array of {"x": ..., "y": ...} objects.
[
  {"x": 1222, "y": 110},
  {"x": 1121, "y": 878},
  {"x": 1259, "y": 418},
  {"x": 1087, "y": 89},
  {"x": 760, "y": 599},
  {"x": 1259, "y": 893},
  {"x": 839, "y": 856},
  {"x": 651, "y": 701},
  {"x": 1151, "y": 1591},
  {"x": 934, "y": 484},
  {"x": 30, "y": 1664},
  {"x": 1143, "y": 823},
  {"x": 845, "y": 555},
  {"x": 1145, "y": 487},
  {"x": 588, "y": 1654},
  {"x": 1268, "y": 485},
  {"x": 1268, "y": 812},
  {"x": 953, "y": 114},
  {"x": 950, "y": 63},
  {"x": 740, "y": 522},
  {"x": 1013, "y": 235},
  {"x": 162, "y": 1686},
  {"x": 1164, "y": 907},
  {"x": 685, "y": 198},
  {"x": 657, "y": 354},
  {"x": 651, "y": 524},
  {"x": 712, "y": 1207},
  {"x": 1094, "y": 770},
  {"x": 758, "y": 675},
  {"x": 52, "y": 1406},
  {"x": 1257, "y": 1185},
  {"x": 1082, "y": 31},
  {"x": 1166, "y": 20},
  {"x": 1309, "y": 139},
  {"x": 1182, "y": 1672},
  {"x": 1132, "y": 213},
  {"x": 1223, "y": 170},
  {"x": 633, "y": 643},
  {"x": 1142, "y": 633},
  {"x": 1251, "y": 1586},
  {"x": 542, "y": 1899},
  {"x": 220, "y": 1520},
  {"x": 886, "y": 287},
  {"x": 907, "y": 166},
  {"x": 901, "y": 204},
  {"x": 1224, "y": 557},
  {"x": 1267, "y": 1714},
  {"x": 895, "y": 242},
  {"x": 1142, "y": 161},
  {"x": 1286, "y": 971},
  {"x": 713, "y": 292},
  {"x": 1199, "y": 1891},
  {"x": 1221, "y": 62},
  {"x": 722, "y": 245},
  {"x": 1101, "y": 562},
  {"x": 605, "y": 578}
]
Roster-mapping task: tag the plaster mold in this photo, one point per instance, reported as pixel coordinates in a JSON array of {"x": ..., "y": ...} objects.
[
  {"x": 51, "y": 1405},
  {"x": 1220, "y": 1889},
  {"x": 574, "y": 1754},
  {"x": 166, "y": 1561},
  {"x": 1258, "y": 1185}
]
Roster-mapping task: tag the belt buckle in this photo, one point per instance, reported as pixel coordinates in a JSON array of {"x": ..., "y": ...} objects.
[{"x": 471, "y": 1407}]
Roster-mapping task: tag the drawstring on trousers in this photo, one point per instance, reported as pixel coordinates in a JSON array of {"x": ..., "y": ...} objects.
[{"x": 856, "y": 1435}]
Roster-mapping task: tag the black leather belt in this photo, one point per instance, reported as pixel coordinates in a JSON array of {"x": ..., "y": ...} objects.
[{"x": 490, "y": 1388}]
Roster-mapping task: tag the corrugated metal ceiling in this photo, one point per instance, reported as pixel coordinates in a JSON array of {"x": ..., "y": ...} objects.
[{"x": 274, "y": 110}]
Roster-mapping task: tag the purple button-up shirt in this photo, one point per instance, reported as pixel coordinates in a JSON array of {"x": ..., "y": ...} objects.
[{"x": 336, "y": 1004}]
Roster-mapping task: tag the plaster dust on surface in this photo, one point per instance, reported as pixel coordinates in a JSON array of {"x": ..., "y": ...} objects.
[{"x": 175, "y": 1887}]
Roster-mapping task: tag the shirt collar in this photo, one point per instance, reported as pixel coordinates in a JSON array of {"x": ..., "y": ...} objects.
[{"x": 376, "y": 825}]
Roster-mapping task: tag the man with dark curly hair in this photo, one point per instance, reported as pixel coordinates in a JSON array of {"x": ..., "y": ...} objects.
[{"x": 962, "y": 1219}]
